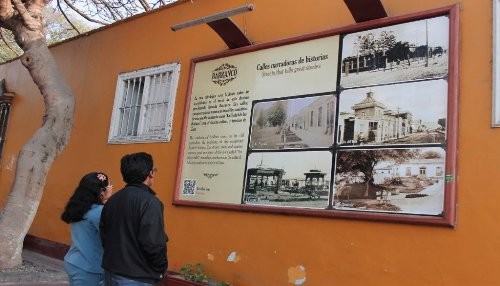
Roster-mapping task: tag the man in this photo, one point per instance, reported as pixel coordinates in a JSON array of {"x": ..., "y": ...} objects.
[{"x": 132, "y": 228}]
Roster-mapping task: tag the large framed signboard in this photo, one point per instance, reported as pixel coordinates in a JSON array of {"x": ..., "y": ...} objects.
[{"x": 357, "y": 122}]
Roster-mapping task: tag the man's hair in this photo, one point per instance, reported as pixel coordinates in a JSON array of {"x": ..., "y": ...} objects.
[{"x": 135, "y": 167}]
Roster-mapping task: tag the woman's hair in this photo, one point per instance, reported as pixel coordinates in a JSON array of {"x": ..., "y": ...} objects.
[{"x": 87, "y": 193}]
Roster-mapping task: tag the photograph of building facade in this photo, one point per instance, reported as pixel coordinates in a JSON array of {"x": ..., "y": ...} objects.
[
  {"x": 372, "y": 122},
  {"x": 403, "y": 181},
  {"x": 316, "y": 121},
  {"x": 377, "y": 115},
  {"x": 293, "y": 123},
  {"x": 420, "y": 168}
]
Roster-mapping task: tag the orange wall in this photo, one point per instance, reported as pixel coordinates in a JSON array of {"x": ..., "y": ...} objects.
[{"x": 332, "y": 251}]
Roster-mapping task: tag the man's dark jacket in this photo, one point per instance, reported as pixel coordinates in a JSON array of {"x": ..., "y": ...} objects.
[{"x": 133, "y": 234}]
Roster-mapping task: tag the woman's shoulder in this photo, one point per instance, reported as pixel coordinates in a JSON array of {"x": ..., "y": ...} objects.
[{"x": 94, "y": 212}]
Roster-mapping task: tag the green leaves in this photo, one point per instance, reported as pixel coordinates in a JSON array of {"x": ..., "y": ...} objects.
[{"x": 195, "y": 273}]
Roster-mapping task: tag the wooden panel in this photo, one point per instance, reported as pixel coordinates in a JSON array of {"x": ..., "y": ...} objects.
[
  {"x": 365, "y": 10},
  {"x": 230, "y": 33},
  {"x": 174, "y": 279}
]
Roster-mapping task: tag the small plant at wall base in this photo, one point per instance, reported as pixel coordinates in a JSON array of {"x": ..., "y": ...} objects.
[{"x": 195, "y": 273}]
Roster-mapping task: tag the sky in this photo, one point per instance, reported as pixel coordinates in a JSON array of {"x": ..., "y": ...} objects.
[{"x": 294, "y": 106}]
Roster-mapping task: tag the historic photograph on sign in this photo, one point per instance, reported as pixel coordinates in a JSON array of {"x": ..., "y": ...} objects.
[
  {"x": 291, "y": 179},
  {"x": 409, "y": 181},
  {"x": 403, "y": 52},
  {"x": 408, "y": 113},
  {"x": 293, "y": 123}
]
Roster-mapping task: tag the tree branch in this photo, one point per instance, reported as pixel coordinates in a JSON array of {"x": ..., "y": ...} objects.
[
  {"x": 7, "y": 43},
  {"x": 81, "y": 13},
  {"x": 6, "y": 10},
  {"x": 66, "y": 17},
  {"x": 145, "y": 5},
  {"x": 32, "y": 22},
  {"x": 112, "y": 10}
]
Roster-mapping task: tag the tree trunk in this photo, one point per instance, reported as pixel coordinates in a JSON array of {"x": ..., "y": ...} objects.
[
  {"x": 369, "y": 179},
  {"x": 37, "y": 155}
]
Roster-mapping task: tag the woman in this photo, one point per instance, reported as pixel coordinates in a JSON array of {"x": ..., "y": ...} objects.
[{"x": 83, "y": 212}]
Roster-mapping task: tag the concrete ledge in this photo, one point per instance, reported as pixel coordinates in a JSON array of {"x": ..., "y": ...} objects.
[{"x": 49, "y": 248}]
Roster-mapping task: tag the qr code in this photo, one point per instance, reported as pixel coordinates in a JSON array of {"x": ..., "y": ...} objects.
[{"x": 189, "y": 187}]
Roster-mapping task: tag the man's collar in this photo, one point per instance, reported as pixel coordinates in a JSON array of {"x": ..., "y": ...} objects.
[{"x": 143, "y": 187}]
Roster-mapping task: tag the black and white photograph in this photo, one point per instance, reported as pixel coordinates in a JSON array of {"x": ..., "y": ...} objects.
[
  {"x": 404, "y": 52},
  {"x": 293, "y": 123},
  {"x": 291, "y": 179},
  {"x": 408, "y": 113},
  {"x": 409, "y": 181}
]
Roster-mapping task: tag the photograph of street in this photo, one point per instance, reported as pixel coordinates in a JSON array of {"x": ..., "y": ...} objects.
[
  {"x": 293, "y": 123},
  {"x": 403, "y": 52},
  {"x": 291, "y": 179},
  {"x": 407, "y": 113},
  {"x": 409, "y": 181}
]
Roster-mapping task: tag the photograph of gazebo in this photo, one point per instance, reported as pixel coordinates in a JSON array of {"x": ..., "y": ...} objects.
[
  {"x": 293, "y": 179},
  {"x": 293, "y": 123},
  {"x": 407, "y": 113},
  {"x": 403, "y": 52},
  {"x": 409, "y": 181}
]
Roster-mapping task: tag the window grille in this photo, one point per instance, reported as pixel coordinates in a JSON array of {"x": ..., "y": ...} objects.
[
  {"x": 423, "y": 170},
  {"x": 144, "y": 102},
  {"x": 320, "y": 115}
]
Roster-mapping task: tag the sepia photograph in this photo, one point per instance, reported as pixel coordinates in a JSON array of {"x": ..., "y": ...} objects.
[
  {"x": 289, "y": 179},
  {"x": 407, "y": 181},
  {"x": 404, "y": 52},
  {"x": 293, "y": 123},
  {"x": 407, "y": 113}
]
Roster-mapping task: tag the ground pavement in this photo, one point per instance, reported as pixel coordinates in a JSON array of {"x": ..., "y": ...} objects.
[{"x": 36, "y": 270}]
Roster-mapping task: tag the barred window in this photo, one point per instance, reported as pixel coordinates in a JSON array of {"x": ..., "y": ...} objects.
[{"x": 144, "y": 103}]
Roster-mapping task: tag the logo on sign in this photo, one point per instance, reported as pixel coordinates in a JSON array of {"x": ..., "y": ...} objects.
[{"x": 224, "y": 74}]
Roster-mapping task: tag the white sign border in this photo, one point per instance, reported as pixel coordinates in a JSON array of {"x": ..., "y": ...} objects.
[{"x": 496, "y": 64}]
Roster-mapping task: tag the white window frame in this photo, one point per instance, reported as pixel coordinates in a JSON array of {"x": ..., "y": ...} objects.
[
  {"x": 496, "y": 64},
  {"x": 113, "y": 138}
]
